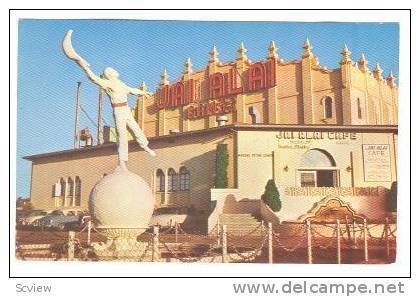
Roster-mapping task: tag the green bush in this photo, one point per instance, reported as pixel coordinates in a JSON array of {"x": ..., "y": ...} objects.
[
  {"x": 392, "y": 198},
  {"x": 222, "y": 161},
  {"x": 271, "y": 196}
]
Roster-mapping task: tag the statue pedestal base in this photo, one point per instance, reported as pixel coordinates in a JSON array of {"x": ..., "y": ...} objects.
[
  {"x": 122, "y": 244},
  {"x": 121, "y": 205}
]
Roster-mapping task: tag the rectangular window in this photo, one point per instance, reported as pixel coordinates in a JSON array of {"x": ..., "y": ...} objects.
[
  {"x": 307, "y": 179},
  {"x": 319, "y": 178}
]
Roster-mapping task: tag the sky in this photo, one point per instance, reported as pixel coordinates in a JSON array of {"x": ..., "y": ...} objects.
[{"x": 140, "y": 51}]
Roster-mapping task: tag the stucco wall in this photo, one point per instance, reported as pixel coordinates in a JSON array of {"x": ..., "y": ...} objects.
[
  {"x": 196, "y": 153},
  {"x": 263, "y": 156}
]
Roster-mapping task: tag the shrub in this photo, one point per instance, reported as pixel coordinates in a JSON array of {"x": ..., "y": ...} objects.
[
  {"x": 392, "y": 197},
  {"x": 271, "y": 196},
  {"x": 222, "y": 161}
]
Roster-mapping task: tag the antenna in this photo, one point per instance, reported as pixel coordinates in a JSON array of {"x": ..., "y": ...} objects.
[{"x": 77, "y": 120}]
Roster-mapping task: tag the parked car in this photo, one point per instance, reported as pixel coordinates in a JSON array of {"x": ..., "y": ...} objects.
[
  {"x": 63, "y": 219},
  {"x": 167, "y": 217},
  {"x": 31, "y": 217}
]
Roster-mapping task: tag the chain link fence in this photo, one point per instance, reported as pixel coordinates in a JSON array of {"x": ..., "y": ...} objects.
[{"x": 304, "y": 242}]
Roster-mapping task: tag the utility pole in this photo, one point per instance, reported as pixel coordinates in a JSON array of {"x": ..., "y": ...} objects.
[
  {"x": 77, "y": 120},
  {"x": 100, "y": 133}
]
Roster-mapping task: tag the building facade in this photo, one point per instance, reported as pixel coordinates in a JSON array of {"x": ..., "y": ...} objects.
[{"x": 317, "y": 132}]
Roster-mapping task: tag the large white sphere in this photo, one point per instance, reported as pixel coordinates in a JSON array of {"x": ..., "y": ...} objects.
[{"x": 121, "y": 199}]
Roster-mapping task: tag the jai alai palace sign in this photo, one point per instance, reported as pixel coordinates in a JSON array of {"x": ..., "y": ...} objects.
[{"x": 222, "y": 88}]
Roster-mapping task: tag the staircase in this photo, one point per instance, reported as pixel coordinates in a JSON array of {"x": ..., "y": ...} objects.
[{"x": 240, "y": 224}]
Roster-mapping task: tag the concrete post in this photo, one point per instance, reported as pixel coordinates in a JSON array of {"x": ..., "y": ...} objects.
[
  {"x": 218, "y": 232},
  {"x": 338, "y": 242},
  {"x": 70, "y": 251},
  {"x": 176, "y": 232},
  {"x": 224, "y": 244},
  {"x": 348, "y": 228},
  {"x": 89, "y": 231},
  {"x": 309, "y": 240},
  {"x": 365, "y": 239},
  {"x": 387, "y": 238},
  {"x": 270, "y": 242},
  {"x": 354, "y": 234},
  {"x": 155, "y": 246}
]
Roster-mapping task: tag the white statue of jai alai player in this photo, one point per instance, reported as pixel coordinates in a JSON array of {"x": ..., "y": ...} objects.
[{"x": 117, "y": 92}]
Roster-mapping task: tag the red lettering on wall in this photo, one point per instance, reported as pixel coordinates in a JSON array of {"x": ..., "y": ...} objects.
[
  {"x": 190, "y": 112},
  {"x": 216, "y": 85},
  {"x": 212, "y": 107},
  {"x": 232, "y": 87},
  {"x": 179, "y": 94},
  {"x": 260, "y": 75},
  {"x": 256, "y": 76}
]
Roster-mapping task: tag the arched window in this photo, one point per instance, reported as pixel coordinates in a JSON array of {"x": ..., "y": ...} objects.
[
  {"x": 160, "y": 181},
  {"x": 172, "y": 180},
  {"x": 316, "y": 158},
  {"x": 70, "y": 187},
  {"x": 184, "y": 179},
  {"x": 78, "y": 190},
  {"x": 62, "y": 187},
  {"x": 56, "y": 191},
  {"x": 318, "y": 169},
  {"x": 359, "y": 109},
  {"x": 328, "y": 108}
]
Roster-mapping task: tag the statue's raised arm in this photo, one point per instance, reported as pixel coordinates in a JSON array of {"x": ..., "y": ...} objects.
[{"x": 73, "y": 55}]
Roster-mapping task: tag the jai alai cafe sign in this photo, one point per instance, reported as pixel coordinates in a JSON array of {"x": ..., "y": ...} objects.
[{"x": 222, "y": 89}]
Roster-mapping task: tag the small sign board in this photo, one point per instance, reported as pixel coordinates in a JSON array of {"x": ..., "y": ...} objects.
[{"x": 376, "y": 162}]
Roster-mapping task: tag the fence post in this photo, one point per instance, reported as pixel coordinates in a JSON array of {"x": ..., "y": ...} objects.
[
  {"x": 348, "y": 228},
  {"x": 89, "y": 227},
  {"x": 387, "y": 237},
  {"x": 354, "y": 234},
  {"x": 309, "y": 240},
  {"x": 224, "y": 244},
  {"x": 218, "y": 232},
  {"x": 155, "y": 245},
  {"x": 365, "y": 239},
  {"x": 176, "y": 232},
  {"x": 70, "y": 251},
  {"x": 338, "y": 242},
  {"x": 270, "y": 242}
]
